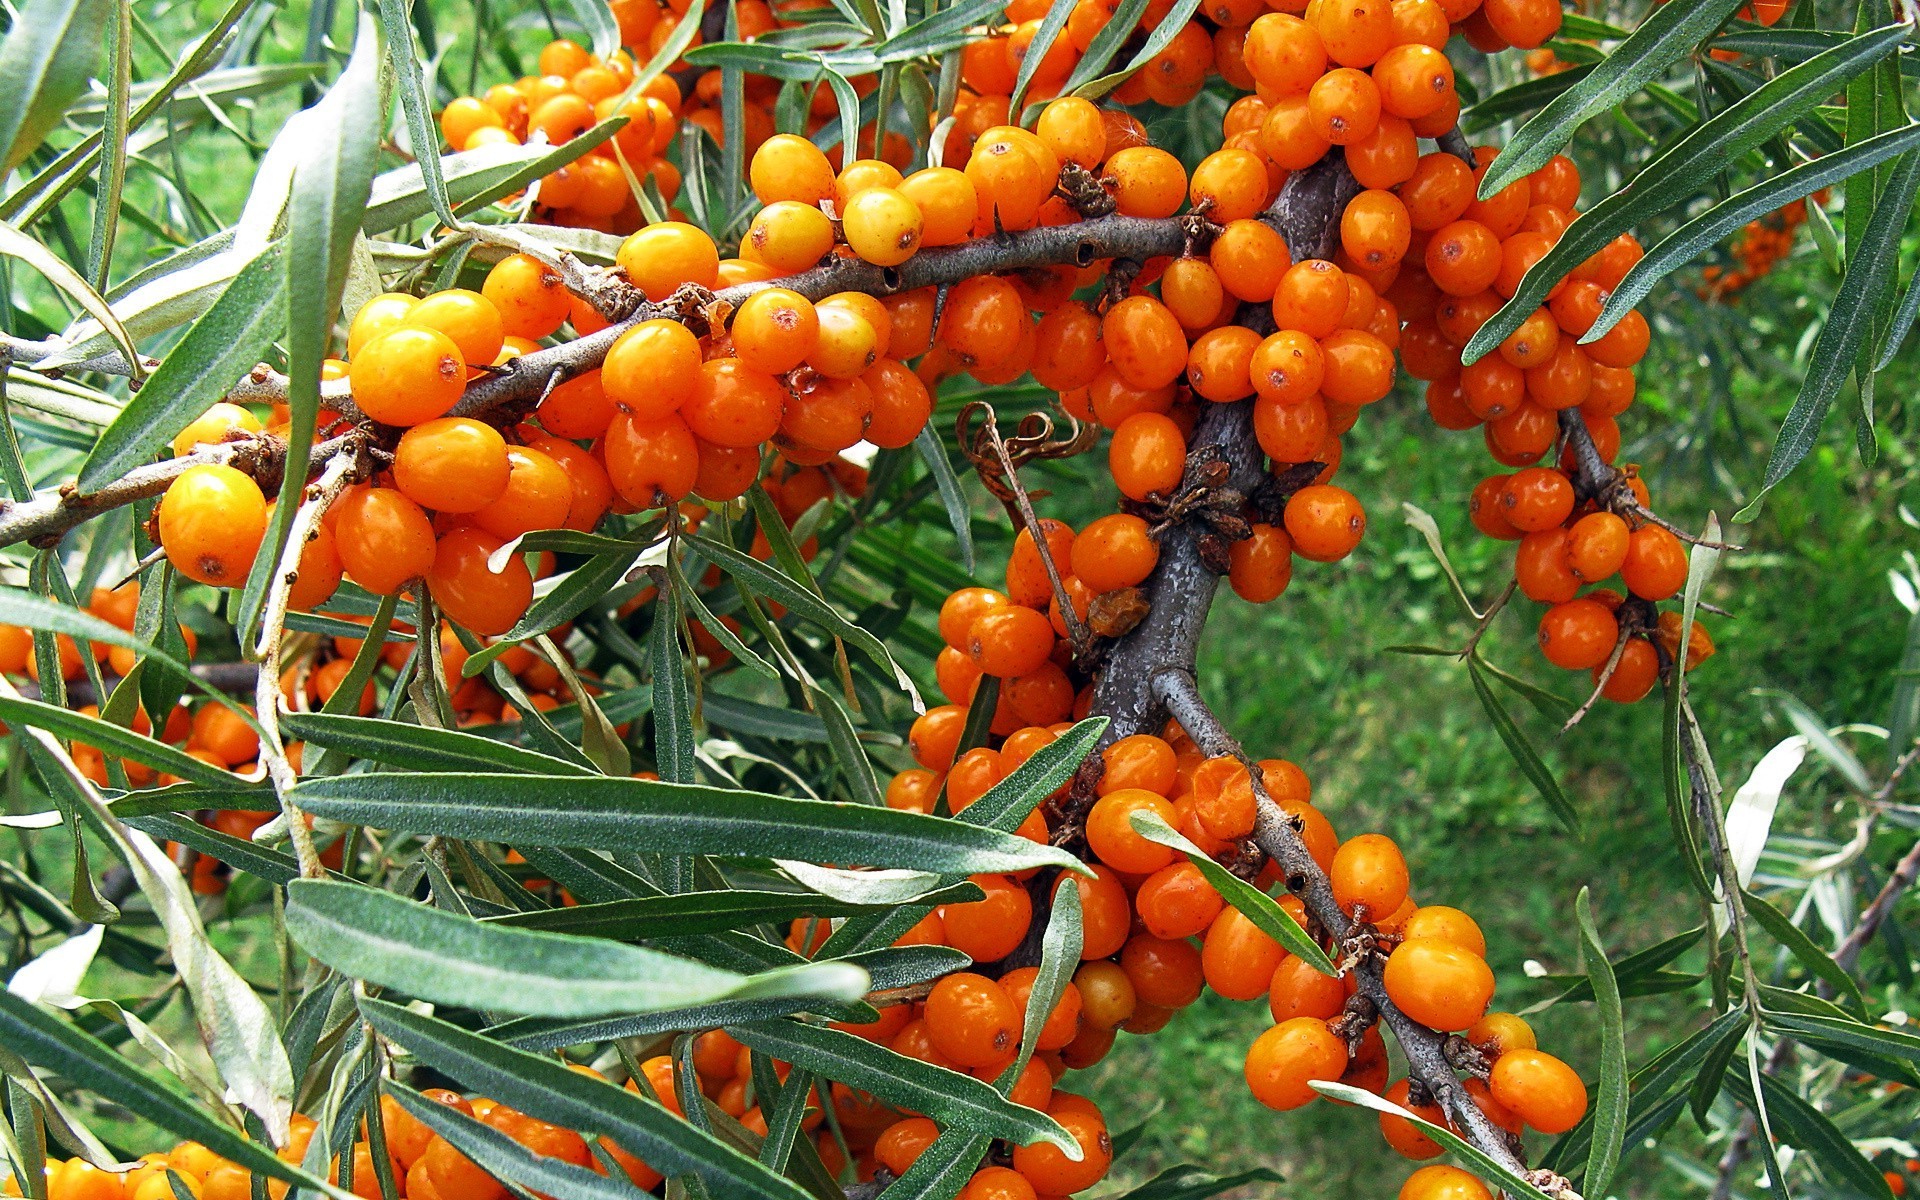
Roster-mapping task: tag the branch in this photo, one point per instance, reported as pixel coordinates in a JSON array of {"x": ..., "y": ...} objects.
[
  {"x": 1274, "y": 833},
  {"x": 45, "y": 519}
]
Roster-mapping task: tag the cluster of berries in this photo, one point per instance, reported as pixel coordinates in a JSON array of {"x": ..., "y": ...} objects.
[{"x": 1757, "y": 250}]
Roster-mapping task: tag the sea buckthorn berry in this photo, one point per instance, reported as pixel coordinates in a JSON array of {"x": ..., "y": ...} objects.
[
  {"x": 948, "y": 203},
  {"x": 882, "y": 226},
  {"x": 961, "y": 609},
  {"x": 1249, "y": 258},
  {"x": 1027, "y": 579},
  {"x": 1375, "y": 230},
  {"x": 1230, "y": 185},
  {"x": 934, "y": 736},
  {"x": 1145, "y": 344},
  {"x": 1237, "y": 957},
  {"x": 651, "y": 462},
  {"x": 1311, "y": 299},
  {"x": 1146, "y": 181},
  {"x": 468, "y": 319},
  {"x": 1537, "y": 498},
  {"x": 1597, "y": 546},
  {"x": 1139, "y": 761},
  {"x": 384, "y": 312},
  {"x": 1285, "y": 53},
  {"x": 1438, "y": 192},
  {"x": 997, "y": 1183},
  {"x": 1106, "y": 913},
  {"x": 453, "y": 464},
  {"x": 789, "y": 236},
  {"x": 1540, "y": 567},
  {"x": 212, "y": 520},
  {"x": 1072, "y": 129},
  {"x": 1463, "y": 258},
  {"x": 734, "y": 404},
  {"x": 538, "y": 496},
  {"x": 1259, "y": 568},
  {"x": 1496, "y": 1033},
  {"x": 1578, "y": 634},
  {"x": 971, "y": 1020},
  {"x": 530, "y": 296},
  {"x": 1388, "y": 156},
  {"x": 775, "y": 330},
  {"x": 1147, "y": 455},
  {"x": 901, "y": 1145},
  {"x": 1522, "y": 23},
  {"x": 1413, "y": 79},
  {"x": 988, "y": 929},
  {"x": 1013, "y": 174},
  {"x": 1358, "y": 368},
  {"x": 1438, "y": 983},
  {"x": 1106, "y": 994},
  {"x": 1290, "y": 136},
  {"x": 1634, "y": 675},
  {"x": 901, "y": 404},
  {"x": 1297, "y": 989},
  {"x": 1443, "y": 1183},
  {"x": 1292, "y": 433},
  {"x": 1062, "y": 1023},
  {"x": 1655, "y": 566},
  {"x": 1165, "y": 973},
  {"x": 662, "y": 257},
  {"x": 788, "y": 167},
  {"x": 1344, "y": 106},
  {"x": 1220, "y": 363},
  {"x": 1068, "y": 351},
  {"x": 1564, "y": 380},
  {"x": 1114, "y": 551},
  {"x": 1112, "y": 838},
  {"x": 1533, "y": 343},
  {"x": 1048, "y": 1168},
  {"x": 1288, "y": 366},
  {"x": 1010, "y": 641},
  {"x": 982, "y": 320},
  {"x": 1403, "y": 1135},
  {"x": 1447, "y": 925},
  {"x": 1284, "y": 1061},
  {"x": 408, "y": 375},
  {"x": 1325, "y": 522},
  {"x": 1699, "y": 643},
  {"x": 1539, "y": 1089},
  {"x": 221, "y": 423},
  {"x": 1368, "y": 870},
  {"x": 470, "y": 592},
  {"x": 577, "y": 408},
  {"x": 1191, "y": 291},
  {"x": 384, "y": 539},
  {"x": 651, "y": 371}
]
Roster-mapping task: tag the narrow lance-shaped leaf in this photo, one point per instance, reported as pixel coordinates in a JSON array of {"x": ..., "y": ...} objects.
[
  {"x": 654, "y": 815},
  {"x": 223, "y": 345},
  {"x": 45, "y": 63},
  {"x": 1610, "y": 1104},
  {"x": 1524, "y": 755},
  {"x": 1477, "y": 1160},
  {"x": 949, "y": 1097},
  {"x": 1669, "y": 32},
  {"x": 1253, "y": 903},
  {"x": 440, "y": 956}
]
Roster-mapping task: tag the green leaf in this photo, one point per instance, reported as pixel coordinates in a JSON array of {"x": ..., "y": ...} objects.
[
  {"x": 419, "y": 748},
  {"x": 598, "y": 20},
  {"x": 223, "y": 345},
  {"x": 450, "y": 959},
  {"x": 952, "y": 1099},
  {"x": 1060, "y": 948},
  {"x": 803, "y": 602},
  {"x": 672, "y": 696},
  {"x": 113, "y": 739},
  {"x": 1530, "y": 96},
  {"x": 1253, "y": 903},
  {"x": 1669, "y": 32},
  {"x": 1802, "y": 947},
  {"x": 1478, "y": 1160},
  {"x": 416, "y": 102},
  {"x": 934, "y": 454},
  {"x": 1043, "y": 40},
  {"x": 86, "y": 1062},
  {"x": 1610, "y": 1104},
  {"x": 1195, "y": 1183},
  {"x": 505, "y": 1158},
  {"x": 260, "y": 861},
  {"x": 582, "y": 588},
  {"x": 942, "y": 1168},
  {"x": 1524, "y": 755},
  {"x": 49, "y": 55},
  {"x": 702, "y": 912},
  {"x": 332, "y": 181},
  {"x": 540, "y": 1086},
  {"x": 15, "y": 244},
  {"x": 1162, "y": 36},
  {"x": 942, "y": 31},
  {"x": 35, "y": 612},
  {"x": 1872, "y": 265},
  {"x": 1680, "y": 171},
  {"x": 1814, "y": 1132},
  {"x": 1711, "y": 1080},
  {"x": 645, "y": 814}
]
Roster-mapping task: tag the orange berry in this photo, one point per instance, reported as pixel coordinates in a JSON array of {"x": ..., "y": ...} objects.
[
  {"x": 212, "y": 521},
  {"x": 971, "y": 1020},
  {"x": 383, "y": 538},
  {"x": 452, "y": 464},
  {"x": 1283, "y": 1062},
  {"x": 1368, "y": 870},
  {"x": 1443, "y": 1183},
  {"x": 408, "y": 375},
  {"x": 470, "y": 592},
  {"x": 1438, "y": 983},
  {"x": 662, "y": 257},
  {"x": 651, "y": 371},
  {"x": 1539, "y": 1089},
  {"x": 882, "y": 226}
]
